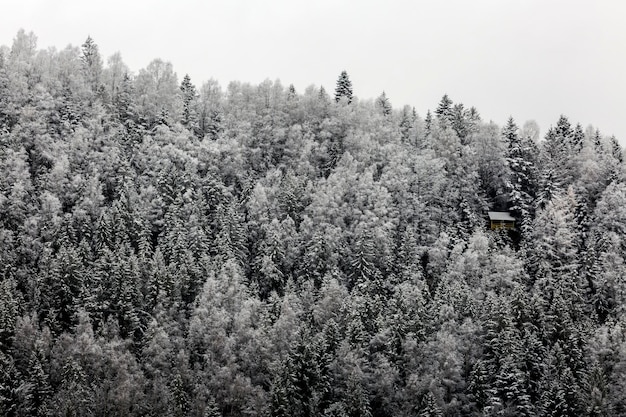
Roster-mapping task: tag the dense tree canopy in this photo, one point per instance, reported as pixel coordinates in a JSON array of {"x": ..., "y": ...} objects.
[{"x": 182, "y": 251}]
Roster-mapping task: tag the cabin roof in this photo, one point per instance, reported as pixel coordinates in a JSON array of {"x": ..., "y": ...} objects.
[{"x": 501, "y": 216}]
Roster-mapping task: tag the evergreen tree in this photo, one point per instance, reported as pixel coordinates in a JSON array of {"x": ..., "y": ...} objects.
[
  {"x": 428, "y": 122},
  {"x": 559, "y": 148},
  {"x": 616, "y": 150},
  {"x": 9, "y": 308},
  {"x": 212, "y": 409},
  {"x": 445, "y": 111},
  {"x": 291, "y": 93},
  {"x": 343, "y": 88},
  {"x": 383, "y": 104},
  {"x": 406, "y": 123},
  {"x": 597, "y": 141},
  {"x": 189, "y": 116},
  {"x": 323, "y": 95},
  {"x": 429, "y": 407},
  {"x": 521, "y": 186},
  {"x": 578, "y": 138},
  {"x": 92, "y": 64},
  {"x": 313, "y": 260}
]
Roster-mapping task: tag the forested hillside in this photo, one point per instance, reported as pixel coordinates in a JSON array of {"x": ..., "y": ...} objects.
[{"x": 171, "y": 249}]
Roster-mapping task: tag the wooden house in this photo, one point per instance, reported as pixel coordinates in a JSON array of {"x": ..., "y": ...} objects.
[{"x": 501, "y": 220}]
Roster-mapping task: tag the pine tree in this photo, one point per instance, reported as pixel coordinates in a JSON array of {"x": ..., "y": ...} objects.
[
  {"x": 214, "y": 125},
  {"x": 92, "y": 64},
  {"x": 458, "y": 121},
  {"x": 125, "y": 111},
  {"x": 521, "y": 186},
  {"x": 383, "y": 103},
  {"x": 429, "y": 407},
  {"x": 323, "y": 95},
  {"x": 472, "y": 119},
  {"x": 38, "y": 385},
  {"x": 212, "y": 409},
  {"x": 181, "y": 397},
  {"x": 356, "y": 401},
  {"x": 362, "y": 267},
  {"x": 578, "y": 138},
  {"x": 406, "y": 123},
  {"x": 9, "y": 308},
  {"x": 90, "y": 55},
  {"x": 189, "y": 117},
  {"x": 291, "y": 93},
  {"x": 11, "y": 386},
  {"x": 564, "y": 128},
  {"x": 428, "y": 122},
  {"x": 616, "y": 150},
  {"x": 444, "y": 110},
  {"x": 559, "y": 148},
  {"x": 344, "y": 88},
  {"x": 597, "y": 142}
]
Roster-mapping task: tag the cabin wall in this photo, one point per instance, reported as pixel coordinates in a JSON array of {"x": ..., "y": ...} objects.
[{"x": 495, "y": 225}]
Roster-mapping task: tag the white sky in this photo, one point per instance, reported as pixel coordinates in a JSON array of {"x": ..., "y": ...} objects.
[{"x": 532, "y": 59}]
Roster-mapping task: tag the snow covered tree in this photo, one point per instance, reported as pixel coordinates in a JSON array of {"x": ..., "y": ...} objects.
[
  {"x": 92, "y": 64},
  {"x": 616, "y": 150},
  {"x": 343, "y": 88},
  {"x": 444, "y": 111},
  {"x": 384, "y": 104},
  {"x": 428, "y": 122},
  {"x": 522, "y": 183},
  {"x": 188, "y": 91},
  {"x": 555, "y": 246},
  {"x": 406, "y": 123}
]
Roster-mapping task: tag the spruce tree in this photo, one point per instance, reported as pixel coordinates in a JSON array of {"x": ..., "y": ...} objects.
[
  {"x": 429, "y": 407},
  {"x": 616, "y": 150},
  {"x": 323, "y": 95},
  {"x": 459, "y": 124},
  {"x": 344, "y": 87},
  {"x": 444, "y": 110},
  {"x": 382, "y": 102},
  {"x": 189, "y": 95},
  {"x": 428, "y": 122},
  {"x": 578, "y": 138},
  {"x": 521, "y": 170},
  {"x": 212, "y": 409},
  {"x": 406, "y": 123},
  {"x": 597, "y": 142},
  {"x": 92, "y": 63},
  {"x": 291, "y": 93}
]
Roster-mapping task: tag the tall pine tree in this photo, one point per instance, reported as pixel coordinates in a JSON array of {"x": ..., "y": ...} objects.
[{"x": 344, "y": 88}]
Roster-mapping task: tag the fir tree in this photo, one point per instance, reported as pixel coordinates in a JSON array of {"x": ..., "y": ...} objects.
[
  {"x": 429, "y": 407},
  {"x": 383, "y": 103},
  {"x": 92, "y": 63},
  {"x": 344, "y": 88},
  {"x": 291, "y": 93},
  {"x": 189, "y": 96},
  {"x": 428, "y": 122},
  {"x": 322, "y": 94},
  {"x": 444, "y": 110},
  {"x": 212, "y": 409},
  {"x": 578, "y": 138},
  {"x": 521, "y": 186},
  {"x": 597, "y": 141},
  {"x": 458, "y": 122},
  {"x": 406, "y": 123},
  {"x": 616, "y": 150}
]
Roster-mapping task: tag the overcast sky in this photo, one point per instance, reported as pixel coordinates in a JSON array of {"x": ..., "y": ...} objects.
[{"x": 532, "y": 59}]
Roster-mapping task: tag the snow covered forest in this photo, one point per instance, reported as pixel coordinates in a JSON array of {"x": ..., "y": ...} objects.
[{"x": 172, "y": 249}]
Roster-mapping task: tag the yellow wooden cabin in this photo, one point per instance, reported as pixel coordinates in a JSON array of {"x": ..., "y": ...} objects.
[{"x": 501, "y": 220}]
